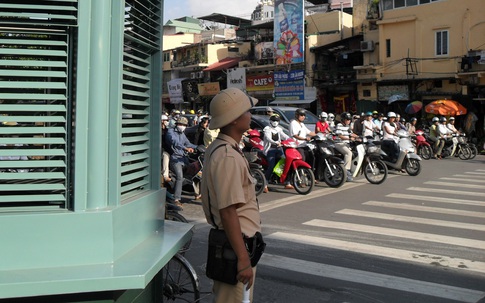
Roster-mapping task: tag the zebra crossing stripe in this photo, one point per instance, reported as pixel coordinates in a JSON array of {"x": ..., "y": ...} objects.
[
  {"x": 475, "y": 173},
  {"x": 399, "y": 233},
  {"x": 447, "y": 191},
  {"x": 381, "y": 251},
  {"x": 437, "y": 199},
  {"x": 468, "y": 176},
  {"x": 420, "y": 208},
  {"x": 374, "y": 279},
  {"x": 399, "y": 218},
  {"x": 461, "y": 185},
  {"x": 463, "y": 180}
]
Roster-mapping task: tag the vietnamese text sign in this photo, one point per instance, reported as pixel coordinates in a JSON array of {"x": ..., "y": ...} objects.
[
  {"x": 175, "y": 90},
  {"x": 259, "y": 83},
  {"x": 289, "y": 85},
  {"x": 209, "y": 89}
]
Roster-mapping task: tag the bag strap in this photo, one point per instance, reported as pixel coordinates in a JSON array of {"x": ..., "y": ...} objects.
[{"x": 209, "y": 196}]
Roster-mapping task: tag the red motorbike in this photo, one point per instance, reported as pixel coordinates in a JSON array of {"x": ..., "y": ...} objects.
[
  {"x": 292, "y": 168},
  {"x": 423, "y": 148}
]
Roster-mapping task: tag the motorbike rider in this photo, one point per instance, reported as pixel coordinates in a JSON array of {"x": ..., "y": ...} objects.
[
  {"x": 322, "y": 125},
  {"x": 435, "y": 136},
  {"x": 199, "y": 133},
  {"x": 369, "y": 127},
  {"x": 331, "y": 121},
  {"x": 301, "y": 133},
  {"x": 345, "y": 134},
  {"x": 390, "y": 137},
  {"x": 411, "y": 126},
  {"x": 174, "y": 115},
  {"x": 273, "y": 135},
  {"x": 378, "y": 122},
  {"x": 165, "y": 151},
  {"x": 400, "y": 122},
  {"x": 180, "y": 146},
  {"x": 447, "y": 133},
  {"x": 451, "y": 126}
]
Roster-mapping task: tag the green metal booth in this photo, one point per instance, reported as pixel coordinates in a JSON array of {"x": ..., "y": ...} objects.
[{"x": 81, "y": 208}]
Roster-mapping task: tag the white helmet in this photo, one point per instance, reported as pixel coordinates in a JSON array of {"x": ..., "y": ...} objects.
[
  {"x": 331, "y": 117},
  {"x": 435, "y": 119},
  {"x": 323, "y": 115},
  {"x": 391, "y": 114},
  {"x": 164, "y": 117}
]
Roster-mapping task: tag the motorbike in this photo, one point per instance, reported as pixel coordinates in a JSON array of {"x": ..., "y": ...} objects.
[
  {"x": 367, "y": 160},
  {"x": 291, "y": 167},
  {"x": 407, "y": 160},
  {"x": 456, "y": 145},
  {"x": 423, "y": 148},
  {"x": 326, "y": 166},
  {"x": 252, "y": 146},
  {"x": 192, "y": 173}
]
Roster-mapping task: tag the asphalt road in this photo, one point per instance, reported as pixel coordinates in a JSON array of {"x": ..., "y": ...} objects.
[{"x": 410, "y": 239}]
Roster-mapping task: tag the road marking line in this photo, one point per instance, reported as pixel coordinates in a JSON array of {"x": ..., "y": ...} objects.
[
  {"x": 375, "y": 279},
  {"x": 461, "y": 185},
  {"x": 437, "y": 199},
  {"x": 300, "y": 198},
  {"x": 474, "y": 173},
  {"x": 464, "y": 180},
  {"x": 399, "y": 233},
  {"x": 447, "y": 191},
  {"x": 391, "y": 217},
  {"x": 468, "y": 176},
  {"x": 439, "y": 210},
  {"x": 381, "y": 251}
]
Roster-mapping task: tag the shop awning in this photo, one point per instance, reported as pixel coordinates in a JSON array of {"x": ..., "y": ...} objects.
[
  {"x": 223, "y": 64},
  {"x": 284, "y": 102}
]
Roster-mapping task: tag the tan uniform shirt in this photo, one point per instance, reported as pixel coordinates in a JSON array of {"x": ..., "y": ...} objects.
[{"x": 226, "y": 178}]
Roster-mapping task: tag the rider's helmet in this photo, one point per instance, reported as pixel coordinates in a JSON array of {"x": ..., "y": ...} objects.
[
  {"x": 451, "y": 119},
  {"x": 391, "y": 114},
  {"x": 402, "y": 120},
  {"x": 274, "y": 120},
  {"x": 182, "y": 120},
  {"x": 331, "y": 117},
  {"x": 435, "y": 119},
  {"x": 300, "y": 112},
  {"x": 323, "y": 116},
  {"x": 345, "y": 116},
  {"x": 413, "y": 119},
  {"x": 192, "y": 112},
  {"x": 370, "y": 114},
  {"x": 442, "y": 119},
  {"x": 164, "y": 118},
  {"x": 375, "y": 112}
]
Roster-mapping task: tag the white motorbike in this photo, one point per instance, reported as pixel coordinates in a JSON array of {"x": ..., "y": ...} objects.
[{"x": 407, "y": 160}]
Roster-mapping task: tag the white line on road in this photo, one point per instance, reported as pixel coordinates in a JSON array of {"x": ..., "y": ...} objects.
[
  {"x": 447, "y": 191},
  {"x": 391, "y": 217},
  {"x": 475, "y": 173},
  {"x": 439, "y": 210},
  {"x": 468, "y": 176},
  {"x": 437, "y": 199},
  {"x": 463, "y": 180},
  {"x": 375, "y": 279},
  {"x": 381, "y": 251},
  {"x": 399, "y": 233},
  {"x": 460, "y": 185}
]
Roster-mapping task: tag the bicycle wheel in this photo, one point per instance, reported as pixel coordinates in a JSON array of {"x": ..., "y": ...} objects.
[
  {"x": 375, "y": 172},
  {"x": 260, "y": 180},
  {"x": 474, "y": 150},
  {"x": 180, "y": 282},
  {"x": 303, "y": 180}
]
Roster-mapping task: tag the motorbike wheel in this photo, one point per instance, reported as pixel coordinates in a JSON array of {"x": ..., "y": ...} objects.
[
  {"x": 425, "y": 152},
  {"x": 465, "y": 153},
  {"x": 260, "y": 180},
  {"x": 474, "y": 150},
  {"x": 375, "y": 172},
  {"x": 303, "y": 180},
  {"x": 413, "y": 167},
  {"x": 339, "y": 175}
]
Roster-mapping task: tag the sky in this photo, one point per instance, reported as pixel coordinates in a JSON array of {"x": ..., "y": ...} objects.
[{"x": 197, "y": 8}]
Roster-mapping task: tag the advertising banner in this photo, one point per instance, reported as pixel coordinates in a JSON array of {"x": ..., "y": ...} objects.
[
  {"x": 264, "y": 50},
  {"x": 289, "y": 85},
  {"x": 288, "y": 32},
  {"x": 175, "y": 90},
  {"x": 259, "y": 83},
  {"x": 237, "y": 78},
  {"x": 209, "y": 89}
]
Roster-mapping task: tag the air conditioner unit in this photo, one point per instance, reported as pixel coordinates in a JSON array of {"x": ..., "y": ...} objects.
[
  {"x": 201, "y": 74},
  {"x": 367, "y": 46},
  {"x": 192, "y": 75}
]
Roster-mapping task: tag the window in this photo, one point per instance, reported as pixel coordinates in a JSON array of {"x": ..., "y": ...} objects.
[
  {"x": 399, "y": 3},
  {"x": 442, "y": 43},
  {"x": 366, "y": 93},
  {"x": 411, "y": 2},
  {"x": 388, "y": 48},
  {"x": 166, "y": 57}
]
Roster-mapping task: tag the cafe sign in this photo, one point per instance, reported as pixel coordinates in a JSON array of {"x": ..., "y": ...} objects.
[{"x": 259, "y": 83}]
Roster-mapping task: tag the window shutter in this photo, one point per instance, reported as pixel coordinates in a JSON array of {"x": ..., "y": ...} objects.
[
  {"x": 34, "y": 106},
  {"x": 141, "y": 41}
]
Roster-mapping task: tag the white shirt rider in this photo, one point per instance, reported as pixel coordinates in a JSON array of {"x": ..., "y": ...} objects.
[{"x": 300, "y": 130}]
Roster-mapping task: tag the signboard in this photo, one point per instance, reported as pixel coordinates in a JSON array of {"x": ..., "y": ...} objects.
[
  {"x": 259, "y": 83},
  {"x": 237, "y": 78},
  {"x": 393, "y": 93},
  {"x": 264, "y": 50},
  {"x": 209, "y": 89},
  {"x": 288, "y": 32},
  {"x": 175, "y": 90},
  {"x": 289, "y": 85}
]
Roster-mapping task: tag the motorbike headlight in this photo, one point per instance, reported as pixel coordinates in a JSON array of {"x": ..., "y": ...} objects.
[{"x": 325, "y": 150}]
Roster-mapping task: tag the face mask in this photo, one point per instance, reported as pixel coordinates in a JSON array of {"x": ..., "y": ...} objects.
[
  {"x": 181, "y": 128},
  {"x": 274, "y": 123},
  {"x": 165, "y": 123}
]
